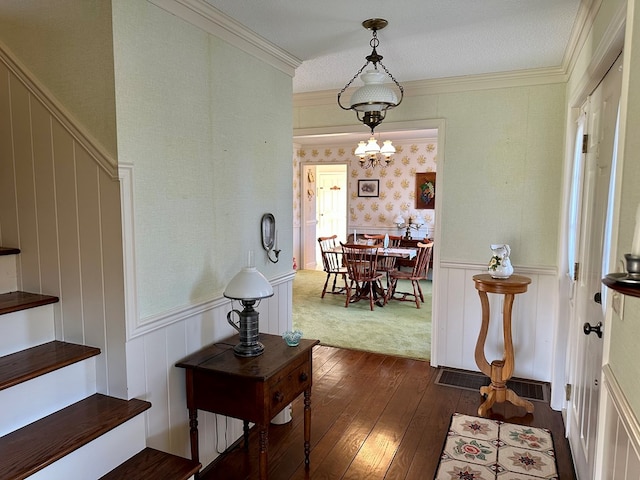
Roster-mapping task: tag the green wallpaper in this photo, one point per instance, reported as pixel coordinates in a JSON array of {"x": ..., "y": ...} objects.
[
  {"x": 67, "y": 45},
  {"x": 208, "y": 130},
  {"x": 499, "y": 168}
]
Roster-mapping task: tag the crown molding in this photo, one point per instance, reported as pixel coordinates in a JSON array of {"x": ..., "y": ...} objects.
[
  {"x": 519, "y": 78},
  {"x": 202, "y": 15}
]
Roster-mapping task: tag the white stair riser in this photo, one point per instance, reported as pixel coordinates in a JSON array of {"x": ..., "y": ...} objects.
[
  {"x": 8, "y": 277},
  {"x": 99, "y": 456},
  {"x": 26, "y": 402},
  {"x": 26, "y": 329}
]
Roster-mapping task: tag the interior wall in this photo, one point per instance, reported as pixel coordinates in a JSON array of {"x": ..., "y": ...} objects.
[
  {"x": 504, "y": 151},
  {"x": 67, "y": 45},
  {"x": 396, "y": 181},
  {"x": 206, "y": 166},
  {"x": 625, "y": 329}
]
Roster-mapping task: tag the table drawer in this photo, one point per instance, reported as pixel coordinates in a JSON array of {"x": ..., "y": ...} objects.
[{"x": 288, "y": 385}]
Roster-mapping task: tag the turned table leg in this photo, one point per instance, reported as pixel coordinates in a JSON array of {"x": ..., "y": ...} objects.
[
  {"x": 264, "y": 445},
  {"x": 307, "y": 426}
]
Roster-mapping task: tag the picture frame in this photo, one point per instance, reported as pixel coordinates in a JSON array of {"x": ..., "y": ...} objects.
[
  {"x": 425, "y": 190},
  {"x": 369, "y": 188}
]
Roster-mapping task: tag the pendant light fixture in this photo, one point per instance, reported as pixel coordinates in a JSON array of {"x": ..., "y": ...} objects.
[{"x": 371, "y": 101}]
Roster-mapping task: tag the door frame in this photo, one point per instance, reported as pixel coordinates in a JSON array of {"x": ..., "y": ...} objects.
[
  {"x": 606, "y": 52},
  {"x": 438, "y": 124},
  {"x": 306, "y": 185}
]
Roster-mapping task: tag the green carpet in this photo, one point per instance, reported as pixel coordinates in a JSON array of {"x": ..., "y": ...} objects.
[{"x": 399, "y": 328}]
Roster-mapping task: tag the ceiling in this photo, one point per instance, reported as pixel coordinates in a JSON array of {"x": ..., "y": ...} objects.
[{"x": 425, "y": 39}]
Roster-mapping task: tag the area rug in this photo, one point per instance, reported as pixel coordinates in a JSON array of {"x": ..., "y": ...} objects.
[
  {"x": 398, "y": 329},
  {"x": 483, "y": 449}
]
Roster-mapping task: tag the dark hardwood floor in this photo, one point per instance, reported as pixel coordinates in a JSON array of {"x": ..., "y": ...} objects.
[{"x": 375, "y": 417}]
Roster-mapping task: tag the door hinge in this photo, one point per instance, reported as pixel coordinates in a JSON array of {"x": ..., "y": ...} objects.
[
  {"x": 576, "y": 271},
  {"x": 567, "y": 392},
  {"x": 585, "y": 143}
]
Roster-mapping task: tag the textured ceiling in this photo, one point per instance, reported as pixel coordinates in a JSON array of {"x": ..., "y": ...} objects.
[{"x": 425, "y": 39}]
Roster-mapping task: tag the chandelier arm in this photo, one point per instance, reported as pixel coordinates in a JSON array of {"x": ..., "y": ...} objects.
[{"x": 350, "y": 82}]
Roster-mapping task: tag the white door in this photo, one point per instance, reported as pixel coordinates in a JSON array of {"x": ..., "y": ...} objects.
[
  {"x": 332, "y": 203},
  {"x": 588, "y": 215}
]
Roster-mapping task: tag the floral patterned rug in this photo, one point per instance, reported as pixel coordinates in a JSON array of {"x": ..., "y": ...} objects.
[{"x": 483, "y": 449}]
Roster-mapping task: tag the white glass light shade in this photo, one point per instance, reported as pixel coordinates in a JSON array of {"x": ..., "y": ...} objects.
[
  {"x": 360, "y": 150},
  {"x": 373, "y": 95},
  {"x": 248, "y": 284},
  {"x": 399, "y": 220},
  {"x": 387, "y": 148},
  {"x": 372, "y": 147}
]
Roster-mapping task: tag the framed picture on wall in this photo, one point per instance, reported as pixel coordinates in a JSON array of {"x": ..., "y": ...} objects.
[
  {"x": 426, "y": 190},
  {"x": 368, "y": 188}
]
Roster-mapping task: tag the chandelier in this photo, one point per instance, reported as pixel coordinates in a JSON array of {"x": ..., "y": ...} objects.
[
  {"x": 371, "y": 154},
  {"x": 371, "y": 101}
]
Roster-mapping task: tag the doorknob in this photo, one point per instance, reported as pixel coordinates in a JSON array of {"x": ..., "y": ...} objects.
[
  {"x": 587, "y": 329},
  {"x": 598, "y": 298}
]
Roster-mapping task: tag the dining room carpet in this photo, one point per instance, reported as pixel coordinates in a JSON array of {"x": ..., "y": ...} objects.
[
  {"x": 483, "y": 449},
  {"x": 399, "y": 328}
]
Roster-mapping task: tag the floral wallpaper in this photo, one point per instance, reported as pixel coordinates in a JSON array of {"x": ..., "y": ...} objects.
[{"x": 397, "y": 188}]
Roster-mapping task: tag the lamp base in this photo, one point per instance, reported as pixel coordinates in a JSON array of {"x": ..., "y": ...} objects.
[{"x": 248, "y": 349}]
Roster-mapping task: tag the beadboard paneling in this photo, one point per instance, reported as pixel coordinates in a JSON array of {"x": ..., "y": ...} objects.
[
  {"x": 620, "y": 433},
  {"x": 458, "y": 318},
  {"x": 62, "y": 209},
  {"x": 153, "y": 377}
]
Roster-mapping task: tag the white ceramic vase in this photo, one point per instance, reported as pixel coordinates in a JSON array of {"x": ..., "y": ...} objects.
[{"x": 500, "y": 264}]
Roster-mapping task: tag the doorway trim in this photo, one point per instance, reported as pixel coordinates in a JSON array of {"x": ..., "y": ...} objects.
[{"x": 412, "y": 129}]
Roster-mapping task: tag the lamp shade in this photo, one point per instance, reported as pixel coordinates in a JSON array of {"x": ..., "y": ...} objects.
[
  {"x": 248, "y": 284},
  {"x": 374, "y": 95},
  {"x": 372, "y": 147},
  {"x": 399, "y": 219},
  {"x": 387, "y": 148},
  {"x": 360, "y": 150}
]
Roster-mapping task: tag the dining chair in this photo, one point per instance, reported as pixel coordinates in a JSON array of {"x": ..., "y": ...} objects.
[
  {"x": 386, "y": 264},
  {"x": 362, "y": 261},
  {"x": 419, "y": 272},
  {"x": 332, "y": 263}
]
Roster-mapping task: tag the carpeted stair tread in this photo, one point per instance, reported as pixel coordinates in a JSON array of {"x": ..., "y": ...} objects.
[
  {"x": 39, "y": 444},
  {"x": 39, "y": 360},
  {"x": 16, "y": 301},
  {"x": 9, "y": 251},
  {"x": 154, "y": 464}
]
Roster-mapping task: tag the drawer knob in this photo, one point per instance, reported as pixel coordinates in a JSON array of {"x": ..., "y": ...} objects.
[
  {"x": 303, "y": 377},
  {"x": 278, "y": 397}
]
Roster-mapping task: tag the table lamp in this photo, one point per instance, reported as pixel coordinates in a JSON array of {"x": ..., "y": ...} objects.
[{"x": 248, "y": 286}]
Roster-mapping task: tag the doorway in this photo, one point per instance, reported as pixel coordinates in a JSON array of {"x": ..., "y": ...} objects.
[{"x": 331, "y": 203}]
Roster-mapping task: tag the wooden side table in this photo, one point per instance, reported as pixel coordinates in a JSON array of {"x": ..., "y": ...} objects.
[
  {"x": 253, "y": 389},
  {"x": 499, "y": 370}
]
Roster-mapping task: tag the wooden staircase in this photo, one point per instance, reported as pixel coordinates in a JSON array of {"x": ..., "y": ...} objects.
[{"x": 53, "y": 423}]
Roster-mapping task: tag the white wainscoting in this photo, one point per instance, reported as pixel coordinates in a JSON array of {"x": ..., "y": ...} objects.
[
  {"x": 60, "y": 204},
  {"x": 152, "y": 375},
  {"x": 619, "y": 437},
  {"x": 458, "y": 315}
]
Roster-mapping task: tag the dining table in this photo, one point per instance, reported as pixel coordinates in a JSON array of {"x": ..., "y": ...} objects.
[{"x": 395, "y": 252}]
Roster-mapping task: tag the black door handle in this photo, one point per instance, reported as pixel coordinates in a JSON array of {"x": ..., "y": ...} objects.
[
  {"x": 587, "y": 329},
  {"x": 598, "y": 298}
]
